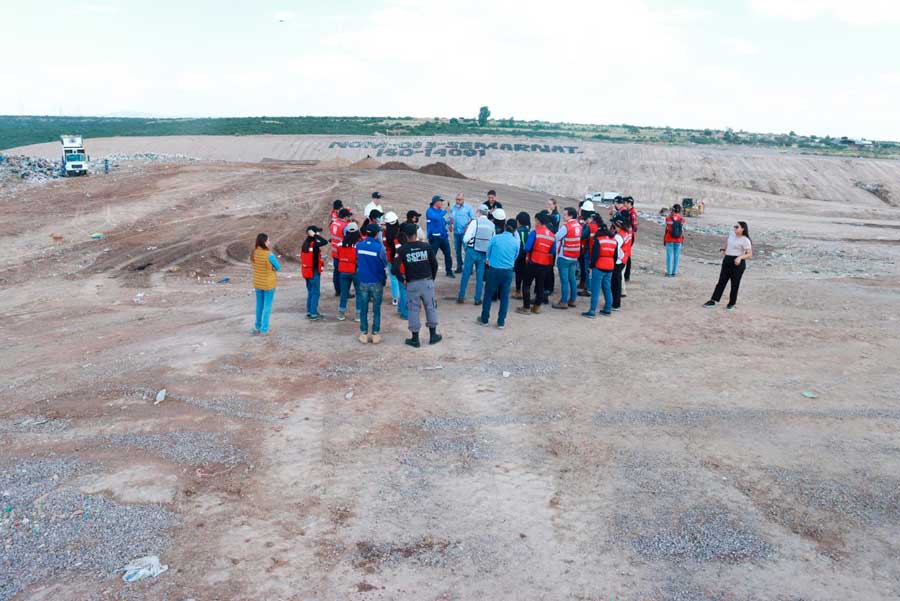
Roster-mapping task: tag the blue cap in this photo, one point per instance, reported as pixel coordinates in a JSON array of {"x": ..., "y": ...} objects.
[{"x": 436, "y": 198}]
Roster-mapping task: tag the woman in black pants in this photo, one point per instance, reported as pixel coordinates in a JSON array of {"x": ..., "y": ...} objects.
[{"x": 734, "y": 261}]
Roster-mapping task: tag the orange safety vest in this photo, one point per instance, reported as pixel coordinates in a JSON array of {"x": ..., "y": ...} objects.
[
  {"x": 627, "y": 238},
  {"x": 589, "y": 243},
  {"x": 543, "y": 243},
  {"x": 346, "y": 259},
  {"x": 337, "y": 234},
  {"x": 307, "y": 268},
  {"x": 607, "y": 259},
  {"x": 572, "y": 242}
]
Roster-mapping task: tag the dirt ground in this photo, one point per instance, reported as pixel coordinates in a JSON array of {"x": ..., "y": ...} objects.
[{"x": 666, "y": 452}]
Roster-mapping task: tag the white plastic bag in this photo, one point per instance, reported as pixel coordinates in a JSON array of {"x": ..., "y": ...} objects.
[{"x": 138, "y": 569}]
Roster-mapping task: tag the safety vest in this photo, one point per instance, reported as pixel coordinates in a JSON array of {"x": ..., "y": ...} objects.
[
  {"x": 589, "y": 243},
  {"x": 607, "y": 259},
  {"x": 264, "y": 277},
  {"x": 337, "y": 234},
  {"x": 543, "y": 244},
  {"x": 307, "y": 267},
  {"x": 390, "y": 248},
  {"x": 346, "y": 259},
  {"x": 572, "y": 242},
  {"x": 484, "y": 231},
  {"x": 627, "y": 239}
]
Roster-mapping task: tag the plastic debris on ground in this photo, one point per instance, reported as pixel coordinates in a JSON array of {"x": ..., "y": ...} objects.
[
  {"x": 160, "y": 396},
  {"x": 144, "y": 567}
]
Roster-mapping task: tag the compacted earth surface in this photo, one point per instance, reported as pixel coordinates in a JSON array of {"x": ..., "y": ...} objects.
[{"x": 668, "y": 452}]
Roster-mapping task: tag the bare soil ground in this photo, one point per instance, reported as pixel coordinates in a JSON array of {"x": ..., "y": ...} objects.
[{"x": 666, "y": 452}]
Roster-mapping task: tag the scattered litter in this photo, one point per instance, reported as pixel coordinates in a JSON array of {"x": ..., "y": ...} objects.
[
  {"x": 809, "y": 394},
  {"x": 144, "y": 567},
  {"x": 152, "y": 248},
  {"x": 138, "y": 298},
  {"x": 98, "y": 236},
  {"x": 160, "y": 396},
  {"x": 174, "y": 269},
  {"x": 349, "y": 394},
  {"x": 432, "y": 368},
  {"x": 506, "y": 374},
  {"x": 224, "y": 281}
]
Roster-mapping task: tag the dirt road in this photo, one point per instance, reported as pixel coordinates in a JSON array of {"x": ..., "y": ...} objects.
[{"x": 666, "y": 452}]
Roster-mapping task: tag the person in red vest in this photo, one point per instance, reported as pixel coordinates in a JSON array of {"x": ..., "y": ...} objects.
[
  {"x": 540, "y": 248},
  {"x": 336, "y": 229},
  {"x": 633, "y": 222},
  {"x": 568, "y": 253},
  {"x": 347, "y": 269},
  {"x": 311, "y": 266},
  {"x": 336, "y": 207},
  {"x": 673, "y": 240},
  {"x": 603, "y": 262}
]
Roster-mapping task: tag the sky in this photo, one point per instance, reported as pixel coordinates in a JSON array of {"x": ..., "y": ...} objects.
[{"x": 824, "y": 67}]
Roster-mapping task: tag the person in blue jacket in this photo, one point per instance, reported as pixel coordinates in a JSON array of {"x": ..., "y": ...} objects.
[
  {"x": 371, "y": 261},
  {"x": 438, "y": 236}
]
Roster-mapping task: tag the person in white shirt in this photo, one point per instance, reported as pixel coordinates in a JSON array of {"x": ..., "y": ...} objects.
[{"x": 737, "y": 250}]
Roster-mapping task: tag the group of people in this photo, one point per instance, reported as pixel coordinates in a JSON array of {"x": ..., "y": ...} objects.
[{"x": 507, "y": 256}]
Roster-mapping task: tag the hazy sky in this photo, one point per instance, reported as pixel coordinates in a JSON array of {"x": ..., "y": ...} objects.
[{"x": 814, "y": 66}]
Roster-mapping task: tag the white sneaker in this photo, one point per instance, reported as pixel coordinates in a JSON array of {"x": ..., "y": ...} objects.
[{"x": 395, "y": 301}]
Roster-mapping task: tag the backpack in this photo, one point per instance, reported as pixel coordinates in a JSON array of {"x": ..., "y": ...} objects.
[{"x": 676, "y": 229}]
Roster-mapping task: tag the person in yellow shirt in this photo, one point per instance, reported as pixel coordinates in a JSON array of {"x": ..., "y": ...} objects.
[{"x": 265, "y": 265}]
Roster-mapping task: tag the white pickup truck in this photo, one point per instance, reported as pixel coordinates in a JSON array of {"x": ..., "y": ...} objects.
[
  {"x": 601, "y": 197},
  {"x": 74, "y": 158}
]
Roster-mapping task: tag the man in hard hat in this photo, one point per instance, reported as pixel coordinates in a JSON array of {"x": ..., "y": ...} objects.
[
  {"x": 476, "y": 240},
  {"x": 436, "y": 224},
  {"x": 460, "y": 216},
  {"x": 371, "y": 261},
  {"x": 416, "y": 266}
]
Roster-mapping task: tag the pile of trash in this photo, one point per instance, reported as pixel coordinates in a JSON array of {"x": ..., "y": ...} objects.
[{"x": 31, "y": 169}]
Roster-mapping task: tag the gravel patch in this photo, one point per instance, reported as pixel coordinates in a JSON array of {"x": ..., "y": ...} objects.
[
  {"x": 701, "y": 534},
  {"x": 233, "y": 407},
  {"x": 696, "y": 417},
  {"x": 428, "y": 552},
  {"x": 45, "y": 530},
  {"x": 34, "y": 424},
  {"x": 446, "y": 423},
  {"x": 190, "y": 448}
]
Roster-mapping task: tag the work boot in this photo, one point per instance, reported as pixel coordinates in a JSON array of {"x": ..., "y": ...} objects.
[
  {"x": 572, "y": 304},
  {"x": 376, "y": 338},
  {"x": 414, "y": 341},
  {"x": 433, "y": 336},
  {"x": 536, "y": 309},
  {"x": 560, "y": 305},
  {"x": 523, "y": 310},
  {"x": 364, "y": 338},
  {"x": 460, "y": 301}
]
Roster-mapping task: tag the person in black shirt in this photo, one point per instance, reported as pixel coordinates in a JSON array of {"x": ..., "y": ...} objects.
[{"x": 416, "y": 266}]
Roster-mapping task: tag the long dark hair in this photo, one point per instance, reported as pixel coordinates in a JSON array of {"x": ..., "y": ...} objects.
[
  {"x": 350, "y": 238},
  {"x": 391, "y": 231},
  {"x": 746, "y": 230},
  {"x": 261, "y": 240}
]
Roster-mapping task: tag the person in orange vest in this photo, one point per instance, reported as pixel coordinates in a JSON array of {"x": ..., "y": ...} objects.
[
  {"x": 673, "y": 240},
  {"x": 265, "y": 265},
  {"x": 603, "y": 262},
  {"x": 540, "y": 248},
  {"x": 311, "y": 266},
  {"x": 347, "y": 268},
  {"x": 567, "y": 253},
  {"x": 337, "y": 234}
]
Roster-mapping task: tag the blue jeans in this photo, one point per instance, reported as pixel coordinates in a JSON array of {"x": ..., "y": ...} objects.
[
  {"x": 498, "y": 280},
  {"x": 441, "y": 243},
  {"x": 458, "y": 246},
  {"x": 312, "y": 294},
  {"x": 476, "y": 258},
  {"x": 264, "y": 300},
  {"x": 673, "y": 253},
  {"x": 395, "y": 287},
  {"x": 586, "y": 270},
  {"x": 346, "y": 280},
  {"x": 376, "y": 293},
  {"x": 601, "y": 280},
  {"x": 336, "y": 276},
  {"x": 568, "y": 286},
  {"x": 402, "y": 309}
]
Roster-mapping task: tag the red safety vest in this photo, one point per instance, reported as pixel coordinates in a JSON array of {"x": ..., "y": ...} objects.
[
  {"x": 391, "y": 249},
  {"x": 307, "y": 269},
  {"x": 589, "y": 243},
  {"x": 627, "y": 238},
  {"x": 543, "y": 244},
  {"x": 607, "y": 259},
  {"x": 337, "y": 234},
  {"x": 346, "y": 259},
  {"x": 572, "y": 242}
]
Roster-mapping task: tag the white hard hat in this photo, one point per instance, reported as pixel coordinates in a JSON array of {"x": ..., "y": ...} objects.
[
  {"x": 350, "y": 227},
  {"x": 587, "y": 206},
  {"x": 371, "y": 206},
  {"x": 390, "y": 217},
  {"x": 499, "y": 215}
]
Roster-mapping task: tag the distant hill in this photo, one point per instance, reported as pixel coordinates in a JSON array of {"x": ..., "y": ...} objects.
[{"x": 24, "y": 130}]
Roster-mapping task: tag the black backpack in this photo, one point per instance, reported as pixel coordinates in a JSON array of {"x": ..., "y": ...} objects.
[{"x": 676, "y": 228}]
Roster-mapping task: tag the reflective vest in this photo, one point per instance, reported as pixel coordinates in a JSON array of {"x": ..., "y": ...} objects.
[
  {"x": 627, "y": 238},
  {"x": 589, "y": 243},
  {"x": 337, "y": 234},
  {"x": 264, "y": 277},
  {"x": 390, "y": 248},
  {"x": 543, "y": 244},
  {"x": 607, "y": 259},
  {"x": 346, "y": 256},
  {"x": 572, "y": 242},
  {"x": 307, "y": 268},
  {"x": 484, "y": 231}
]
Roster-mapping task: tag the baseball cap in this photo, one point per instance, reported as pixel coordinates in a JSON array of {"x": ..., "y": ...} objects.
[
  {"x": 345, "y": 212},
  {"x": 436, "y": 198},
  {"x": 410, "y": 214},
  {"x": 409, "y": 229},
  {"x": 376, "y": 194},
  {"x": 499, "y": 215},
  {"x": 372, "y": 229}
]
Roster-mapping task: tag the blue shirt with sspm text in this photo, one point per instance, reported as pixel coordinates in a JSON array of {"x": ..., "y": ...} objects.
[
  {"x": 437, "y": 222},
  {"x": 502, "y": 251}
]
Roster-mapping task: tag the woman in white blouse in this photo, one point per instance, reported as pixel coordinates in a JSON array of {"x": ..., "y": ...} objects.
[{"x": 734, "y": 260}]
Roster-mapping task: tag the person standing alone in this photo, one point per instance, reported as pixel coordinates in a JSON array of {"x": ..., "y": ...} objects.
[
  {"x": 673, "y": 240},
  {"x": 416, "y": 266},
  {"x": 436, "y": 224},
  {"x": 311, "y": 265},
  {"x": 264, "y": 265},
  {"x": 460, "y": 216},
  {"x": 371, "y": 260},
  {"x": 737, "y": 250}
]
